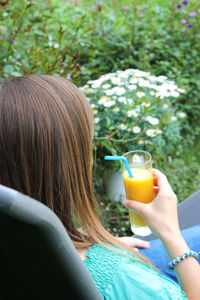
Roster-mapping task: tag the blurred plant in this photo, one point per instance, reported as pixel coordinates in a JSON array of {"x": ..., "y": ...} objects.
[{"x": 33, "y": 40}]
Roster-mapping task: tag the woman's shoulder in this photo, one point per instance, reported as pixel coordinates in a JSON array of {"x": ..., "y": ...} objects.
[
  {"x": 119, "y": 277},
  {"x": 102, "y": 265}
]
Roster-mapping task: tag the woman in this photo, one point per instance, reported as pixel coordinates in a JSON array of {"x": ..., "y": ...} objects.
[{"x": 46, "y": 132}]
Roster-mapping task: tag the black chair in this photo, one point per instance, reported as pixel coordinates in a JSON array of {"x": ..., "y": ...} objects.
[{"x": 37, "y": 257}]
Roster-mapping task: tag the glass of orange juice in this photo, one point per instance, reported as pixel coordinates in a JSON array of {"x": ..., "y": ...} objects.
[{"x": 140, "y": 187}]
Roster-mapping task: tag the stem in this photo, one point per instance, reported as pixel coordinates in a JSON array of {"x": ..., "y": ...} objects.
[
  {"x": 116, "y": 130},
  {"x": 18, "y": 28}
]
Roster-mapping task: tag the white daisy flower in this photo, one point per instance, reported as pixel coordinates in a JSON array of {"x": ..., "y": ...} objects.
[
  {"x": 56, "y": 45},
  {"x": 140, "y": 142},
  {"x": 175, "y": 94},
  {"x": 132, "y": 87},
  {"x": 89, "y": 90},
  {"x": 165, "y": 105},
  {"x": 161, "y": 78},
  {"x": 153, "y": 121},
  {"x": 146, "y": 104},
  {"x": 159, "y": 131},
  {"x": 102, "y": 101},
  {"x": 136, "y": 129},
  {"x": 144, "y": 83},
  {"x": 151, "y": 132},
  {"x": 93, "y": 105},
  {"x": 140, "y": 73},
  {"x": 122, "y": 126},
  {"x": 109, "y": 92},
  {"x": 155, "y": 87},
  {"x": 181, "y": 90},
  {"x": 181, "y": 114},
  {"x": 96, "y": 84},
  {"x": 115, "y": 80},
  {"x": 137, "y": 158},
  {"x": 148, "y": 118},
  {"x": 132, "y": 113},
  {"x": 82, "y": 89},
  {"x": 172, "y": 86},
  {"x": 95, "y": 111},
  {"x": 107, "y": 76},
  {"x": 120, "y": 91},
  {"x": 122, "y": 99},
  {"x": 173, "y": 118},
  {"x": 106, "y": 86},
  {"x": 129, "y": 71},
  {"x": 122, "y": 74},
  {"x": 109, "y": 103},
  {"x": 116, "y": 109},
  {"x": 163, "y": 94},
  {"x": 96, "y": 120},
  {"x": 152, "y": 93},
  {"x": 152, "y": 78},
  {"x": 140, "y": 94},
  {"x": 129, "y": 101},
  {"x": 137, "y": 108},
  {"x": 133, "y": 80}
]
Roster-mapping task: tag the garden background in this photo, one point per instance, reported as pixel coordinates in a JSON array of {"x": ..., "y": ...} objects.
[{"x": 137, "y": 42}]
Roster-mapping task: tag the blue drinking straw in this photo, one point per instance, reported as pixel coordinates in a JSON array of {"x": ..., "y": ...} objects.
[{"x": 124, "y": 161}]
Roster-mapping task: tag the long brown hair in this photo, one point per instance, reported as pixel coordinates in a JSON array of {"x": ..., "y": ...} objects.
[{"x": 46, "y": 130}]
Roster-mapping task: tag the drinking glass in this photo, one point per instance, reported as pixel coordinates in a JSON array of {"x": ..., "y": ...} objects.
[{"x": 140, "y": 187}]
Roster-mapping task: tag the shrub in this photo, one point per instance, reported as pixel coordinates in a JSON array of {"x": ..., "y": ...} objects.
[
  {"x": 34, "y": 40},
  {"x": 134, "y": 109}
]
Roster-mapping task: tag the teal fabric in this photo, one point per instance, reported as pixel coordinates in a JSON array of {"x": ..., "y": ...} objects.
[{"x": 121, "y": 278}]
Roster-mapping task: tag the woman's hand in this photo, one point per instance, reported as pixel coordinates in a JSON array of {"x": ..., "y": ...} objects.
[
  {"x": 134, "y": 242},
  {"x": 161, "y": 216},
  {"x": 161, "y": 213}
]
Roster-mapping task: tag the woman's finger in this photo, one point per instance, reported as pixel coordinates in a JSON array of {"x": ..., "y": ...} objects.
[
  {"x": 135, "y": 205},
  {"x": 163, "y": 183},
  {"x": 134, "y": 242},
  {"x": 141, "y": 243}
]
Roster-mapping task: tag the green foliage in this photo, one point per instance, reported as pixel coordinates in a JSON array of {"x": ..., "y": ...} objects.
[
  {"x": 34, "y": 39},
  {"x": 84, "y": 39}
]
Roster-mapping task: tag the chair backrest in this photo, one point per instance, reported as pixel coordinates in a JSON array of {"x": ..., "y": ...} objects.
[{"x": 37, "y": 258}]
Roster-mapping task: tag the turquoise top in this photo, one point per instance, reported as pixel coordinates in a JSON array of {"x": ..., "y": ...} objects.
[{"x": 120, "y": 278}]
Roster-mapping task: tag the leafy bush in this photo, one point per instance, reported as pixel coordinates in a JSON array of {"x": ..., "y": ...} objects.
[
  {"x": 132, "y": 110},
  {"x": 34, "y": 40}
]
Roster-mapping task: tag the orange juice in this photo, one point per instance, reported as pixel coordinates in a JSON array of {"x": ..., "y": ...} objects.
[{"x": 138, "y": 188}]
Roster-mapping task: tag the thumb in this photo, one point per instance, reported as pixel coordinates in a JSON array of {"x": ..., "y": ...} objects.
[{"x": 134, "y": 205}]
